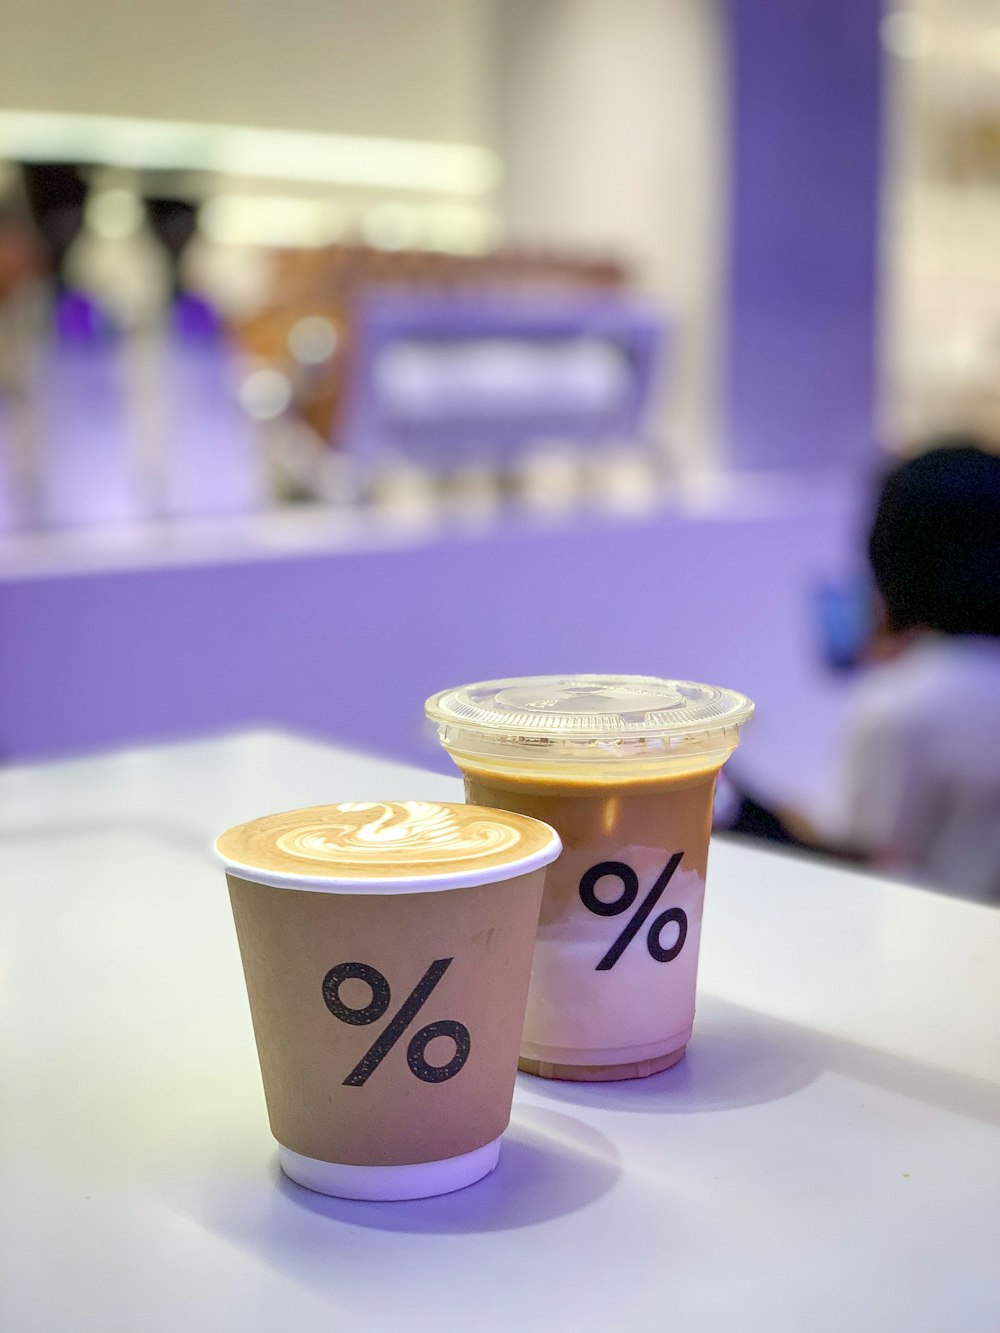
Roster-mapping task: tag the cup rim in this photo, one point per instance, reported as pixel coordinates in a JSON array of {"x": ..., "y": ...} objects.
[
  {"x": 459, "y": 709},
  {"x": 471, "y": 878}
]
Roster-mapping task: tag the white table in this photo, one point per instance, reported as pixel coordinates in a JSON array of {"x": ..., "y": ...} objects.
[{"x": 825, "y": 1158}]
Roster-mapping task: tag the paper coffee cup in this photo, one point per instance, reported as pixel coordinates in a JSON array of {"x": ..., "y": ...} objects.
[
  {"x": 624, "y": 768},
  {"x": 387, "y": 951}
]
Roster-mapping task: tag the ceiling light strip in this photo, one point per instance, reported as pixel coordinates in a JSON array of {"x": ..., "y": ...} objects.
[{"x": 239, "y": 150}]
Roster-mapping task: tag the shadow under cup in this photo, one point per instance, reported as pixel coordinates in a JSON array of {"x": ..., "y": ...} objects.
[{"x": 624, "y": 769}]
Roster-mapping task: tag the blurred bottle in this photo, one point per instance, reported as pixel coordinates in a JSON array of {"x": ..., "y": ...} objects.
[
  {"x": 174, "y": 223},
  {"x": 209, "y": 445},
  {"x": 86, "y": 474},
  {"x": 56, "y": 193},
  {"x": 22, "y": 265},
  {"x": 12, "y": 508}
]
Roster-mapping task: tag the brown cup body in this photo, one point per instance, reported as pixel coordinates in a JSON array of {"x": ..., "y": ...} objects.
[{"x": 291, "y": 940}]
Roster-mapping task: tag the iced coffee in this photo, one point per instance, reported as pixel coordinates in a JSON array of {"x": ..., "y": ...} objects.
[{"x": 624, "y": 769}]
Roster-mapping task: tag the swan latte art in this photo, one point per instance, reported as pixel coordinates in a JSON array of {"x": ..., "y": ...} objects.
[{"x": 384, "y": 839}]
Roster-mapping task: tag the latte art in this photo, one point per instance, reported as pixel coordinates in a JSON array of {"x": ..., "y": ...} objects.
[
  {"x": 387, "y": 843},
  {"x": 399, "y": 832}
]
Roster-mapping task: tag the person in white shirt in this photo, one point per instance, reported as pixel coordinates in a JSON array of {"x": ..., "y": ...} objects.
[
  {"x": 921, "y": 783},
  {"x": 920, "y": 788}
]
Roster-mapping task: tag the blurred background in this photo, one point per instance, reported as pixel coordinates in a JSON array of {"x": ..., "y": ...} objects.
[{"x": 349, "y": 351}]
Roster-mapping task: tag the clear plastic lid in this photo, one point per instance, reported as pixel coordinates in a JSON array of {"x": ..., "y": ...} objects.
[{"x": 588, "y": 719}]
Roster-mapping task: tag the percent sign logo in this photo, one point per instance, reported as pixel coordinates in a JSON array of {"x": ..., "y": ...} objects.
[
  {"x": 629, "y": 893},
  {"x": 404, "y": 1016}
]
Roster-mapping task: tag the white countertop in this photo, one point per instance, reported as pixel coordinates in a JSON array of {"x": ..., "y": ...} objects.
[{"x": 826, "y": 1156}]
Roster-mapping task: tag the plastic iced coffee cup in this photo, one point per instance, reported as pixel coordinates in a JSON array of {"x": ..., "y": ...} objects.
[
  {"x": 387, "y": 951},
  {"x": 624, "y": 768}
]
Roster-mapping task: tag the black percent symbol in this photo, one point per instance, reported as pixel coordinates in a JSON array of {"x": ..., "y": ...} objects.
[
  {"x": 630, "y": 891},
  {"x": 397, "y": 1025}
]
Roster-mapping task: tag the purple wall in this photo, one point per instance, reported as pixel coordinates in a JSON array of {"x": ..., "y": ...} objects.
[
  {"x": 349, "y": 645},
  {"x": 805, "y": 132}
]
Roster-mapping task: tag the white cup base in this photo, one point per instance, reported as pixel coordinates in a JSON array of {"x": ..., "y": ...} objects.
[{"x": 383, "y": 1183}]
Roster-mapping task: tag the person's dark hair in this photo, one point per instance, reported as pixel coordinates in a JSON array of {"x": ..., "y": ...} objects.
[{"x": 935, "y": 542}]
